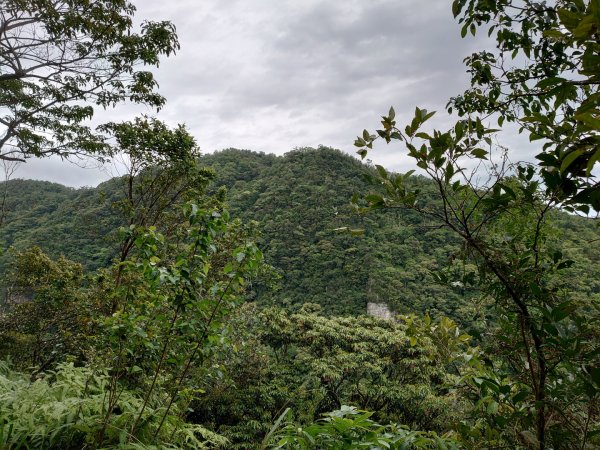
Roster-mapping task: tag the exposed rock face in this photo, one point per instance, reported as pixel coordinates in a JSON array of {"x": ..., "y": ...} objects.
[
  {"x": 379, "y": 310},
  {"x": 15, "y": 297}
]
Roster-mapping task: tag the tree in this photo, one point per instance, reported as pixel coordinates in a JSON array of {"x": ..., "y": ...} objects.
[
  {"x": 545, "y": 340},
  {"x": 552, "y": 93},
  {"x": 42, "y": 318},
  {"x": 162, "y": 171},
  {"x": 313, "y": 364},
  {"x": 171, "y": 307},
  {"x": 152, "y": 334},
  {"x": 59, "y": 59}
]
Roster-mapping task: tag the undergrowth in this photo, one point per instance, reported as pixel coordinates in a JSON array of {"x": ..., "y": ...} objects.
[{"x": 66, "y": 409}]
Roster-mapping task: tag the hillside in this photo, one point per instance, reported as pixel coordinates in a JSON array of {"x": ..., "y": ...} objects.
[{"x": 301, "y": 201}]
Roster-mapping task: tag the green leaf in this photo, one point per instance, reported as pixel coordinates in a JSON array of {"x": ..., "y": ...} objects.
[
  {"x": 464, "y": 30},
  {"x": 593, "y": 160},
  {"x": 479, "y": 153},
  {"x": 595, "y": 9},
  {"x": 392, "y": 113},
  {"x": 520, "y": 396},
  {"x": 584, "y": 28},
  {"x": 449, "y": 172},
  {"x": 569, "y": 159},
  {"x": 456, "y": 8},
  {"x": 565, "y": 264},
  {"x": 554, "y": 35},
  {"x": 589, "y": 120},
  {"x": 459, "y": 130},
  {"x": 382, "y": 172},
  {"x": 492, "y": 408},
  {"x": 428, "y": 116},
  {"x": 562, "y": 311},
  {"x": 568, "y": 18},
  {"x": 549, "y": 82}
]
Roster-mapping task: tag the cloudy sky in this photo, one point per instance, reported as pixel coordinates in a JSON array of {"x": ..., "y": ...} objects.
[{"x": 272, "y": 75}]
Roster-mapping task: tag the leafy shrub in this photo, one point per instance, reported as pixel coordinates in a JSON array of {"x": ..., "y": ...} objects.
[
  {"x": 65, "y": 409},
  {"x": 349, "y": 428}
]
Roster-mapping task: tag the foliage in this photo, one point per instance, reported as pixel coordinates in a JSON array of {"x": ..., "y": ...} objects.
[
  {"x": 44, "y": 315},
  {"x": 545, "y": 338},
  {"x": 147, "y": 324},
  {"x": 62, "y": 58},
  {"x": 551, "y": 93},
  {"x": 168, "y": 319},
  {"x": 65, "y": 407},
  {"x": 348, "y": 428},
  {"x": 313, "y": 364},
  {"x": 42, "y": 213},
  {"x": 396, "y": 253},
  {"x": 153, "y": 350},
  {"x": 169, "y": 303},
  {"x": 162, "y": 174},
  {"x": 299, "y": 210},
  {"x": 144, "y": 325}
]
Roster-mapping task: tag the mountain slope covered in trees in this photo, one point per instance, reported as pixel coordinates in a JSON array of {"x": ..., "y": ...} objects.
[{"x": 309, "y": 233}]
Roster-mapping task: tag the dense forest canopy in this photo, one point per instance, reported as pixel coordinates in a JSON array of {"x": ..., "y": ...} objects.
[
  {"x": 219, "y": 301},
  {"x": 301, "y": 202}
]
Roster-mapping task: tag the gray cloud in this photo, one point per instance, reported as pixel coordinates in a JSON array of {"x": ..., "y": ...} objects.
[{"x": 273, "y": 75}]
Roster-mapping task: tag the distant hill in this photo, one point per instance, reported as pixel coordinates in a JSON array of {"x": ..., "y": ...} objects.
[
  {"x": 300, "y": 200},
  {"x": 72, "y": 222}
]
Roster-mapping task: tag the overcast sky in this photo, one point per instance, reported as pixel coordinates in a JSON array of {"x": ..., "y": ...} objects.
[{"x": 272, "y": 75}]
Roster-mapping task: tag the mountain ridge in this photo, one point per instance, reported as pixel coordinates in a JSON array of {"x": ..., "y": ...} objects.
[{"x": 301, "y": 201}]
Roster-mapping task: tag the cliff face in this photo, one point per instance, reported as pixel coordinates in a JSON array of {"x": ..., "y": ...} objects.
[{"x": 379, "y": 310}]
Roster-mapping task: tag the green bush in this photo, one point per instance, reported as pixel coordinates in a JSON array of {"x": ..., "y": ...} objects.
[{"x": 65, "y": 409}]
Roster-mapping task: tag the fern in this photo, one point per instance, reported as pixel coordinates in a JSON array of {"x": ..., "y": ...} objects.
[{"x": 65, "y": 410}]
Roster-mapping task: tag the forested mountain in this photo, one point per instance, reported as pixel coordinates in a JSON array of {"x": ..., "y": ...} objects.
[
  {"x": 61, "y": 220},
  {"x": 218, "y": 301},
  {"x": 301, "y": 202}
]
